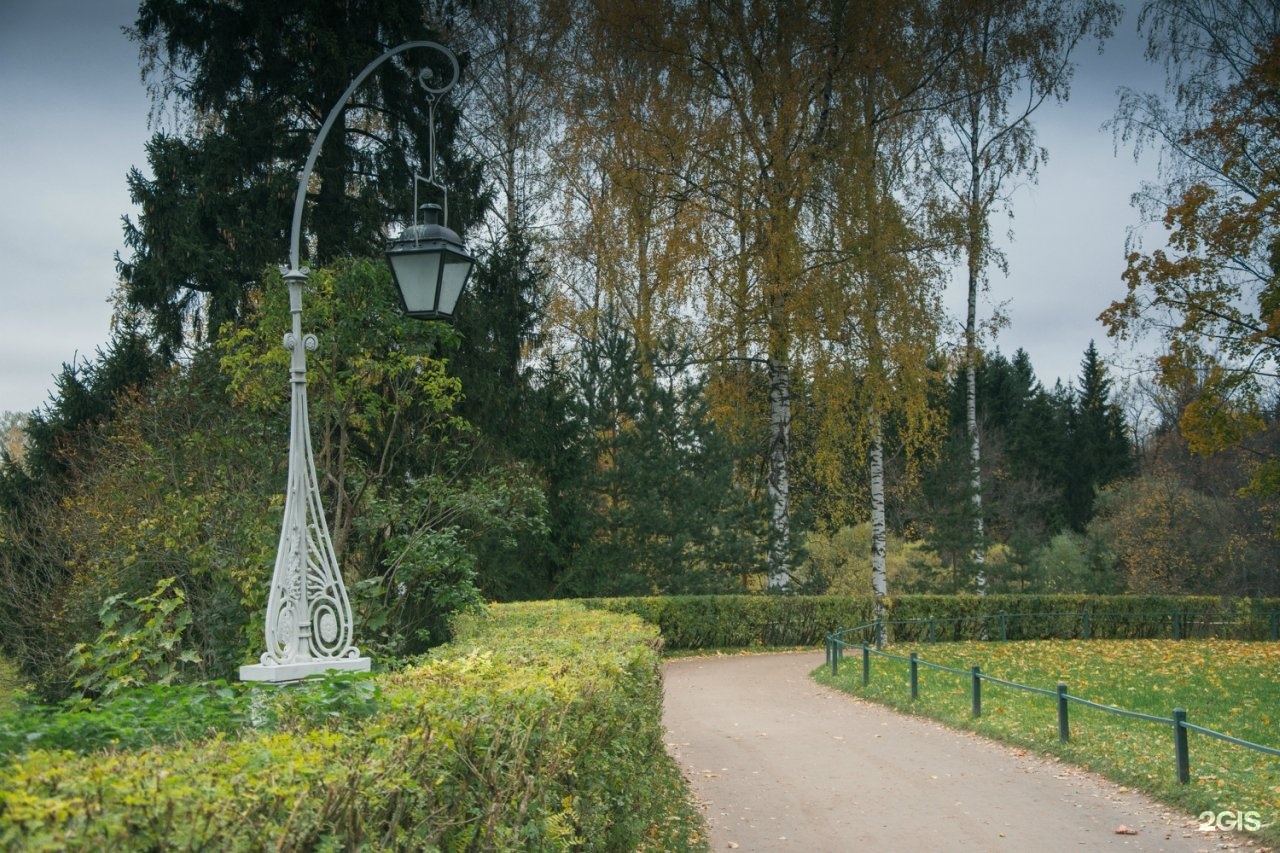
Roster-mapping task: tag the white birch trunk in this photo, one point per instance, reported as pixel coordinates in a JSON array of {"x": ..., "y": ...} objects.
[
  {"x": 979, "y": 551},
  {"x": 779, "y": 480},
  {"x": 879, "y": 582}
]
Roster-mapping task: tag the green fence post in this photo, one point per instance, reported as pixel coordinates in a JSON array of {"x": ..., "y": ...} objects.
[
  {"x": 1085, "y": 620},
  {"x": 1004, "y": 626},
  {"x": 866, "y": 664},
  {"x": 1177, "y": 625},
  {"x": 933, "y": 633},
  {"x": 977, "y": 692},
  {"x": 879, "y": 633},
  {"x": 1275, "y": 625},
  {"x": 835, "y": 657},
  {"x": 1064, "y": 727},
  {"x": 915, "y": 677},
  {"x": 1180, "y": 746}
]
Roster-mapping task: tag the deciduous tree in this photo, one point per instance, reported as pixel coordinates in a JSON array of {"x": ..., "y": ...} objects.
[
  {"x": 1013, "y": 57},
  {"x": 1211, "y": 296}
]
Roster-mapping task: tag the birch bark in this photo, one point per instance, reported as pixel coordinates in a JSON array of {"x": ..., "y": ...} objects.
[
  {"x": 879, "y": 535},
  {"x": 779, "y": 477}
]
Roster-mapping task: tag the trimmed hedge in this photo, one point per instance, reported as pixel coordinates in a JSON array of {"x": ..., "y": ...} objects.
[
  {"x": 745, "y": 621},
  {"x": 539, "y": 728}
]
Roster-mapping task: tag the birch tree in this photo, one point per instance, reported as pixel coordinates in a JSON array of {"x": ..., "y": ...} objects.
[
  {"x": 1014, "y": 57},
  {"x": 881, "y": 326},
  {"x": 708, "y": 118},
  {"x": 629, "y": 231},
  {"x": 511, "y": 103},
  {"x": 766, "y": 75}
]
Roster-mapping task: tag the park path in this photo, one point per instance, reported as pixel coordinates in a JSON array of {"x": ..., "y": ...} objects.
[{"x": 780, "y": 762}]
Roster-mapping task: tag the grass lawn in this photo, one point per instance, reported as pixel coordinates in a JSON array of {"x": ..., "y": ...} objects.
[{"x": 1228, "y": 686}]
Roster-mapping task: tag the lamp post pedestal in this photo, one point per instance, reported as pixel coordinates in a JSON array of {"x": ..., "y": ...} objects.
[
  {"x": 309, "y": 625},
  {"x": 285, "y": 672}
]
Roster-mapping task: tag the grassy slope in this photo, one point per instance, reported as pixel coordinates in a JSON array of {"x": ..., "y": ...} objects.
[{"x": 1223, "y": 685}]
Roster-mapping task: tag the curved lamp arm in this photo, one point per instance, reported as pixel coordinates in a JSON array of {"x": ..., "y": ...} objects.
[{"x": 295, "y": 237}]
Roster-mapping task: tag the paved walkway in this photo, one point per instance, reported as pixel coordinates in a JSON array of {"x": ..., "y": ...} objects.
[{"x": 782, "y": 763}]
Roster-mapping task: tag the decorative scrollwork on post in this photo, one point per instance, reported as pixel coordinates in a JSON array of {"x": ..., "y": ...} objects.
[{"x": 309, "y": 627}]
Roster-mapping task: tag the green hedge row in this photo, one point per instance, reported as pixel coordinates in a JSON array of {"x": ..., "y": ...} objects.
[
  {"x": 539, "y": 728},
  {"x": 744, "y": 621}
]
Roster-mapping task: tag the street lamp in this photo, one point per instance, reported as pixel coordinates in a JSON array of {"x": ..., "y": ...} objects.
[
  {"x": 430, "y": 266},
  {"x": 309, "y": 627}
]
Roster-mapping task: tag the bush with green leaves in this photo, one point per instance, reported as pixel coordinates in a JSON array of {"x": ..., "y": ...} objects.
[
  {"x": 538, "y": 728},
  {"x": 743, "y": 621},
  {"x": 185, "y": 480},
  {"x": 140, "y": 717},
  {"x": 141, "y": 643}
]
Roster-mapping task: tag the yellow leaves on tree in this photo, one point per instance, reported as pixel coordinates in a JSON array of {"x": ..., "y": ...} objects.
[{"x": 1213, "y": 295}]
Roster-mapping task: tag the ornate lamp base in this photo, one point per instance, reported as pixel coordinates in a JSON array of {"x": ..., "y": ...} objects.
[
  {"x": 308, "y": 624},
  {"x": 298, "y": 670}
]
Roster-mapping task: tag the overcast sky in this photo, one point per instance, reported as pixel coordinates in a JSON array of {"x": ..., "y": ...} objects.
[{"x": 74, "y": 116}]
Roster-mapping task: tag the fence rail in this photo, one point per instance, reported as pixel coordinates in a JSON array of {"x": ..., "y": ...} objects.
[{"x": 836, "y": 645}]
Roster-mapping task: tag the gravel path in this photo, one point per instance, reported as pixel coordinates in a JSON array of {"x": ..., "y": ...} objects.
[{"x": 782, "y": 763}]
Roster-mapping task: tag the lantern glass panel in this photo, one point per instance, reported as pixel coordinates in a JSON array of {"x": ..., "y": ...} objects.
[
  {"x": 417, "y": 274},
  {"x": 452, "y": 280}
]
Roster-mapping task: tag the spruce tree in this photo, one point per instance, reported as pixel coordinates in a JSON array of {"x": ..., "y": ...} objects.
[
  {"x": 1100, "y": 450},
  {"x": 250, "y": 84},
  {"x": 666, "y": 513}
]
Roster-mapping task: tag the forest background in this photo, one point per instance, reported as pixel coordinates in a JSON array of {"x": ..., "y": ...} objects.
[{"x": 704, "y": 349}]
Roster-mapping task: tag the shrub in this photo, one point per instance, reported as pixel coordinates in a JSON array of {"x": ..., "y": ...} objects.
[
  {"x": 745, "y": 621},
  {"x": 538, "y": 728},
  {"x": 141, "y": 643}
]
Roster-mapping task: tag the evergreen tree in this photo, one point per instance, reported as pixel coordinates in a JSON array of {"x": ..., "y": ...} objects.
[
  {"x": 666, "y": 513},
  {"x": 1100, "y": 450},
  {"x": 1048, "y": 452},
  {"x": 84, "y": 396},
  {"x": 500, "y": 319},
  {"x": 250, "y": 83}
]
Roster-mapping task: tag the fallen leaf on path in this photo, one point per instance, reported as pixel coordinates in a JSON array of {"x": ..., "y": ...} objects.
[{"x": 1125, "y": 830}]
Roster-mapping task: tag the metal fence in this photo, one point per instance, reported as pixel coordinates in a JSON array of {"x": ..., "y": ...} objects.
[{"x": 1179, "y": 726}]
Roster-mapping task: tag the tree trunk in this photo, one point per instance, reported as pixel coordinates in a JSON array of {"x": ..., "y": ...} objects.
[
  {"x": 879, "y": 582},
  {"x": 979, "y": 552},
  {"x": 779, "y": 480},
  {"x": 975, "y": 225}
]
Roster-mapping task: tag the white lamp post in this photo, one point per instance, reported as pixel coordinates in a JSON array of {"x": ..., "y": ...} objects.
[{"x": 309, "y": 627}]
